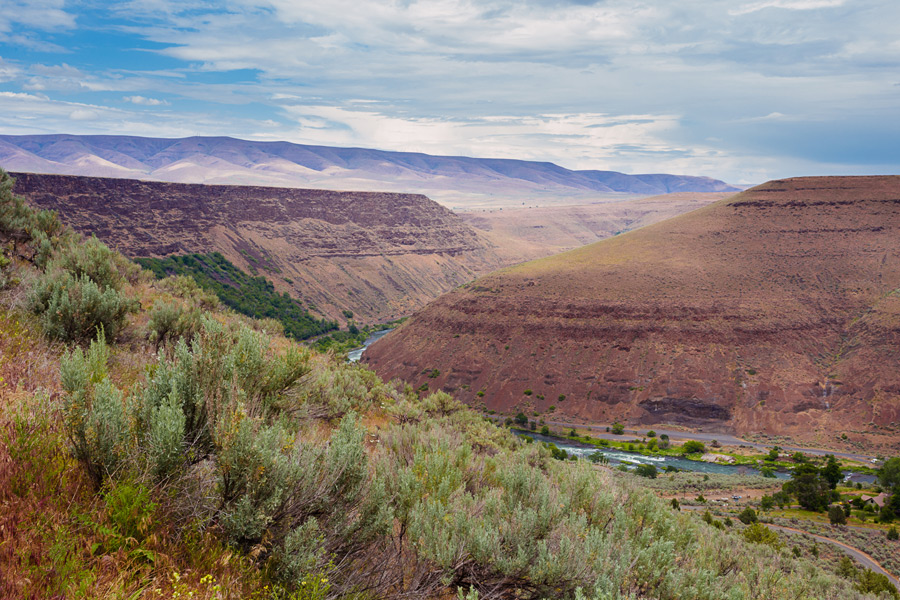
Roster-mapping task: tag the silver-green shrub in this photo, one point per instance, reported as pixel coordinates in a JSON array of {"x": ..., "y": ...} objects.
[
  {"x": 75, "y": 308},
  {"x": 171, "y": 321},
  {"x": 94, "y": 411}
]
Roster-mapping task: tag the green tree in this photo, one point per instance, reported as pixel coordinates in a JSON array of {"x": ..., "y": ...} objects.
[
  {"x": 693, "y": 447},
  {"x": 869, "y": 582},
  {"x": 772, "y": 456},
  {"x": 889, "y": 474},
  {"x": 545, "y": 430},
  {"x": 836, "y": 515},
  {"x": 748, "y": 516},
  {"x": 892, "y": 534},
  {"x": 618, "y": 428},
  {"x": 767, "y": 502},
  {"x": 812, "y": 491},
  {"x": 831, "y": 472},
  {"x": 521, "y": 419}
]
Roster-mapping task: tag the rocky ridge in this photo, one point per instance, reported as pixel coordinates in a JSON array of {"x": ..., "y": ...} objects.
[{"x": 380, "y": 255}]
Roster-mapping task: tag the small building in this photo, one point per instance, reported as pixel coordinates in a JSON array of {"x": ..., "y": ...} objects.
[{"x": 878, "y": 500}]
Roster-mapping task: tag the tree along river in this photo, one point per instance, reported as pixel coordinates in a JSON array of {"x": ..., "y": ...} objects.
[{"x": 632, "y": 459}]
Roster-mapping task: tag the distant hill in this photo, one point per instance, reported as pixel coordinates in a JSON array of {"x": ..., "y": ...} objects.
[
  {"x": 775, "y": 310},
  {"x": 451, "y": 180},
  {"x": 521, "y": 234},
  {"x": 378, "y": 255}
]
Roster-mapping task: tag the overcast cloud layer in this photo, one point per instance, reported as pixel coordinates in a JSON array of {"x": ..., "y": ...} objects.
[{"x": 741, "y": 90}]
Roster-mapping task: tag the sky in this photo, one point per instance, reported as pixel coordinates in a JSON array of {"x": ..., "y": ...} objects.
[{"x": 740, "y": 90}]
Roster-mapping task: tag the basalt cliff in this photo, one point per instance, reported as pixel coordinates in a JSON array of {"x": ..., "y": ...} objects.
[
  {"x": 774, "y": 310},
  {"x": 380, "y": 255}
]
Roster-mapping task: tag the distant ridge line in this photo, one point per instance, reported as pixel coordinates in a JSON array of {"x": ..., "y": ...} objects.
[{"x": 227, "y": 160}]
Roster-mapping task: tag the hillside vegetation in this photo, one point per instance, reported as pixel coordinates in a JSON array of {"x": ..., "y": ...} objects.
[
  {"x": 222, "y": 460},
  {"x": 252, "y": 296}
]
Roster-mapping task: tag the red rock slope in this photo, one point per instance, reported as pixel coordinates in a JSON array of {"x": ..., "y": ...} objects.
[
  {"x": 774, "y": 310},
  {"x": 381, "y": 255}
]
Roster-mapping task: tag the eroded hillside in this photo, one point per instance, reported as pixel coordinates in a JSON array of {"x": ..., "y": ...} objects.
[
  {"x": 380, "y": 255},
  {"x": 774, "y": 310}
]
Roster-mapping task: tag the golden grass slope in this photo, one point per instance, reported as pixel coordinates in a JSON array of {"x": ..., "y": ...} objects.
[{"x": 522, "y": 234}]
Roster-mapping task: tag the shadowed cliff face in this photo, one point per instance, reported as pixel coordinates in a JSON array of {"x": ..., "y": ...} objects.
[
  {"x": 774, "y": 310},
  {"x": 380, "y": 255}
]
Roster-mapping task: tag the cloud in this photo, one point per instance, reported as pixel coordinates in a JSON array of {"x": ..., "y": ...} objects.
[
  {"x": 82, "y": 114},
  {"x": 788, "y": 5},
  {"x": 577, "y": 140},
  {"x": 144, "y": 101},
  {"x": 45, "y": 15},
  {"x": 693, "y": 85}
]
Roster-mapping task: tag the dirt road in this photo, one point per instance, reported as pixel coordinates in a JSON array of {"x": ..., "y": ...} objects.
[{"x": 854, "y": 553}]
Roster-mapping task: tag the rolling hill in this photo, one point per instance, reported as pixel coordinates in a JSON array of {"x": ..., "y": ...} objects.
[
  {"x": 776, "y": 310},
  {"x": 452, "y": 180}
]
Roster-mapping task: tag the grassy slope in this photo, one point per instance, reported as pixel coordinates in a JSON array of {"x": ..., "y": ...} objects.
[{"x": 464, "y": 504}]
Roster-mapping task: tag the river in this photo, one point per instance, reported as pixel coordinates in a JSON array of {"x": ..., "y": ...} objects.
[
  {"x": 355, "y": 355},
  {"x": 619, "y": 457}
]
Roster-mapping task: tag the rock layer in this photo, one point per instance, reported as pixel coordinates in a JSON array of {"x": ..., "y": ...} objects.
[
  {"x": 379, "y": 255},
  {"x": 775, "y": 310}
]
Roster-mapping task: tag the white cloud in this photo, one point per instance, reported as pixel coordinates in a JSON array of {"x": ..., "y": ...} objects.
[
  {"x": 579, "y": 140},
  {"x": 144, "y": 101},
  {"x": 83, "y": 114},
  {"x": 788, "y": 5},
  {"x": 45, "y": 15}
]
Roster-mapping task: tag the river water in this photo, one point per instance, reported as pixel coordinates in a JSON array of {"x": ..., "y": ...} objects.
[
  {"x": 618, "y": 457},
  {"x": 630, "y": 459},
  {"x": 355, "y": 355}
]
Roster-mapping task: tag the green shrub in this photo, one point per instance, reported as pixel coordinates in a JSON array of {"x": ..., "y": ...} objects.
[
  {"x": 869, "y": 582},
  {"x": 618, "y": 428},
  {"x": 185, "y": 287},
  {"x": 648, "y": 471},
  {"x": 75, "y": 309},
  {"x": 748, "y": 516},
  {"x": 757, "y": 533},
  {"x": 836, "y": 515},
  {"x": 94, "y": 411},
  {"x": 89, "y": 258},
  {"x": 892, "y": 534},
  {"x": 130, "y": 509},
  {"x": 693, "y": 447},
  {"x": 170, "y": 321}
]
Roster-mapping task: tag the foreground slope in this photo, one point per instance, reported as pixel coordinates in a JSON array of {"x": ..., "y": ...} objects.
[
  {"x": 452, "y": 180},
  {"x": 774, "y": 310},
  {"x": 379, "y": 255}
]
